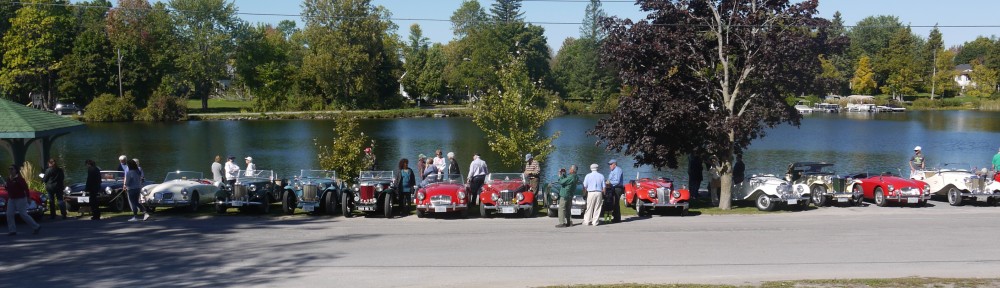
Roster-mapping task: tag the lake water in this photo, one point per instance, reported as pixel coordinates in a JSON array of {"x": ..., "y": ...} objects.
[{"x": 853, "y": 141}]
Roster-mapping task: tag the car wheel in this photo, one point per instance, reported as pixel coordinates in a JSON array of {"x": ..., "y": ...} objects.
[
  {"x": 219, "y": 207},
  {"x": 420, "y": 213},
  {"x": 818, "y": 195},
  {"x": 765, "y": 203},
  {"x": 482, "y": 211},
  {"x": 118, "y": 205},
  {"x": 388, "y": 206},
  {"x": 330, "y": 203},
  {"x": 856, "y": 190},
  {"x": 195, "y": 202},
  {"x": 804, "y": 204},
  {"x": 288, "y": 203},
  {"x": 73, "y": 207},
  {"x": 954, "y": 196},
  {"x": 640, "y": 209},
  {"x": 991, "y": 201},
  {"x": 530, "y": 212},
  {"x": 880, "y": 197},
  {"x": 266, "y": 207},
  {"x": 345, "y": 207},
  {"x": 464, "y": 213}
]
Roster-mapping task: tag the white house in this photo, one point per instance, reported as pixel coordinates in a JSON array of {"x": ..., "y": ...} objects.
[{"x": 962, "y": 76}]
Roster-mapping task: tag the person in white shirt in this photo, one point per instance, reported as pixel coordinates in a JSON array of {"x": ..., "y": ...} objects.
[
  {"x": 218, "y": 175},
  {"x": 232, "y": 171},
  {"x": 439, "y": 161},
  {"x": 594, "y": 185},
  {"x": 251, "y": 168},
  {"x": 477, "y": 175}
]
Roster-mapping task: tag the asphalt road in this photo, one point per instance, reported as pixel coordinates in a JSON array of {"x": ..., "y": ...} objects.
[{"x": 301, "y": 250}]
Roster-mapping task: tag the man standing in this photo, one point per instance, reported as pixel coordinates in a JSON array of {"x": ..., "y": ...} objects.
[
  {"x": 93, "y": 187},
  {"x": 617, "y": 181},
  {"x": 917, "y": 160},
  {"x": 54, "y": 180},
  {"x": 217, "y": 172},
  {"x": 251, "y": 168},
  {"x": 421, "y": 164},
  {"x": 17, "y": 202},
  {"x": 594, "y": 185},
  {"x": 739, "y": 169},
  {"x": 232, "y": 171},
  {"x": 477, "y": 174},
  {"x": 121, "y": 164},
  {"x": 996, "y": 161},
  {"x": 694, "y": 175},
  {"x": 453, "y": 164},
  {"x": 531, "y": 172},
  {"x": 567, "y": 187}
]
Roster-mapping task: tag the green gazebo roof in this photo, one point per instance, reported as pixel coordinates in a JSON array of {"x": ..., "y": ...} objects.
[{"x": 19, "y": 121}]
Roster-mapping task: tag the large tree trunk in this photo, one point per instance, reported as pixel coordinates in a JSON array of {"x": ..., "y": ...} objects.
[{"x": 726, "y": 183}]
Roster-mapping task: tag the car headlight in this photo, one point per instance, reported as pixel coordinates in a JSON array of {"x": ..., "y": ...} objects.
[
  {"x": 421, "y": 195},
  {"x": 184, "y": 192},
  {"x": 799, "y": 189},
  {"x": 67, "y": 191},
  {"x": 927, "y": 188},
  {"x": 554, "y": 196},
  {"x": 676, "y": 194},
  {"x": 355, "y": 187},
  {"x": 107, "y": 190},
  {"x": 3, "y": 202},
  {"x": 652, "y": 193},
  {"x": 520, "y": 197},
  {"x": 891, "y": 188},
  {"x": 145, "y": 191},
  {"x": 378, "y": 188},
  {"x": 461, "y": 194},
  {"x": 495, "y": 197},
  {"x": 253, "y": 188},
  {"x": 357, "y": 198}
]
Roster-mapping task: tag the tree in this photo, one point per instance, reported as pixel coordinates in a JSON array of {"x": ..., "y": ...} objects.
[
  {"x": 932, "y": 50},
  {"x": 975, "y": 49},
  {"x": 830, "y": 79},
  {"x": 863, "y": 81},
  {"x": 263, "y": 65},
  {"x": 416, "y": 56},
  {"x": 432, "y": 81},
  {"x": 578, "y": 71},
  {"x": 89, "y": 68},
  {"x": 709, "y": 76},
  {"x": 943, "y": 79},
  {"x": 469, "y": 16},
  {"x": 205, "y": 30},
  {"x": 8, "y": 10},
  {"x": 985, "y": 80},
  {"x": 591, "y": 28},
  {"x": 513, "y": 115},
  {"x": 144, "y": 37},
  {"x": 871, "y": 34},
  {"x": 901, "y": 64},
  {"x": 352, "y": 59},
  {"x": 507, "y": 11},
  {"x": 344, "y": 154},
  {"x": 33, "y": 48}
]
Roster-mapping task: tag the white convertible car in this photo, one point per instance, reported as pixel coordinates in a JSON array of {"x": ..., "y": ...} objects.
[
  {"x": 180, "y": 189},
  {"x": 959, "y": 182},
  {"x": 767, "y": 191}
]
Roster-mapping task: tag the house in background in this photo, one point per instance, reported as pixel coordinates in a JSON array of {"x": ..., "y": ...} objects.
[{"x": 962, "y": 77}]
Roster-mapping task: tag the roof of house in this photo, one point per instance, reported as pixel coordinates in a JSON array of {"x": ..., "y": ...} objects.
[
  {"x": 19, "y": 121},
  {"x": 963, "y": 67}
]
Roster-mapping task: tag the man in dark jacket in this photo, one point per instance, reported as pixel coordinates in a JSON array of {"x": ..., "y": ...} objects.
[
  {"x": 93, "y": 187},
  {"x": 55, "y": 179}
]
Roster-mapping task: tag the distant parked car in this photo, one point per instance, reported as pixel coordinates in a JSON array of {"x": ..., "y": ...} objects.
[
  {"x": 36, "y": 202},
  {"x": 257, "y": 190},
  {"x": 444, "y": 195},
  {"x": 884, "y": 187},
  {"x": 180, "y": 189},
  {"x": 767, "y": 191},
  {"x": 373, "y": 194},
  {"x": 315, "y": 191},
  {"x": 506, "y": 193},
  {"x": 823, "y": 182},
  {"x": 648, "y": 194},
  {"x": 67, "y": 109},
  {"x": 112, "y": 195},
  {"x": 958, "y": 181}
]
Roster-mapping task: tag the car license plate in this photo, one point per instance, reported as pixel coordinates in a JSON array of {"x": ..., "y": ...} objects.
[
  {"x": 912, "y": 200},
  {"x": 793, "y": 201},
  {"x": 507, "y": 210},
  {"x": 842, "y": 200},
  {"x": 308, "y": 207},
  {"x": 576, "y": 211},
  {"x": 440, "y": 209},
  {"x": 982, "y": 198},
  {"x": 367, "y": 208},
  {"x": 83, "y": 199}
]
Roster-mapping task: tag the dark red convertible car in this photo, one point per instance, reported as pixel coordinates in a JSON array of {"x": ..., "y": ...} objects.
[
  {"x": 443, "y": 194},
  {"x": 506, "y": 193},
  {"x": 649, "y": 194}
]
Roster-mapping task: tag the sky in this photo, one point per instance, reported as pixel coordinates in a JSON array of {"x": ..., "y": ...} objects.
[{"x": 911, "y": 12}]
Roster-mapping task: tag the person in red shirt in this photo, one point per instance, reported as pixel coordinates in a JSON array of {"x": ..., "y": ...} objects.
[{"x": 17, "y": 202}]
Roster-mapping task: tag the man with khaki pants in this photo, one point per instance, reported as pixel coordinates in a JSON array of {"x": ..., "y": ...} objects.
[{"x": 594, "y": 185}]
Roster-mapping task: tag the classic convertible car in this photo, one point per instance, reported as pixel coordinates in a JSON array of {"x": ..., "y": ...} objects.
[
  {"x": 179, "y": 189},
  {"x": 823, "y": 182},
  {"x": 315, "y": 191},
  {"x": 112, "y": 195},
  {"x": 506, "y": 193},
  {"x": 647, "y": 194},
  {"x": 36, "y": 205},
  {"x": 256, "y": 190},
  {"x": 883, "y": 187},
  {"x": 374, "y": 193},
  {"x": 444, "y": 194},
  {"x": 958, "y": 181},
  {"x": 767, "y": 191},
  {"x": 577, "y": 206}
]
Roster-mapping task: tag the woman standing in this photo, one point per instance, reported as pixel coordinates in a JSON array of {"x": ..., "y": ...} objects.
[
  {"x": 17, "y": 202},
  {"x": 406, "y": 181},
  {"x": 133, "y": 182}
]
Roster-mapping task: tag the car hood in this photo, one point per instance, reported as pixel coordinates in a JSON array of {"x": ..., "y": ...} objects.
[
  {"x": 450, "y": 189},
  {"x": 173, "y": 186},
  {"x": 505, "y": 185},
  {"x": 34, "y": 195},
  {"x": 902, "y": 182},
  {"x": 79, "y": 187},
  {"x": 654, "y": 184}
]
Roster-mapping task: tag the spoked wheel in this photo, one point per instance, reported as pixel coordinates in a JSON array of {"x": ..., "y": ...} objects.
[
  {"x": 117, "y": 205},
  {"x": 266, "y": 205},
  {"x": 640, "y": 210},
  {"x": 954, "y": 196},
  {"x": 388, "y": 206},
  {"x": 880, "y": 198},
  {"x": 345, "y": 208},
  {"x": 195, "y": 202},
  {"x": 219, "y": 207},
  {"x": 856, "y": 190},
  {"x": 765, "y": 203},
  {"x": 818, "y": 195},
  {"x": 464, "y": 213},
  {"x": 330, "y": 203},
  {"x": 530, "y": 212},
  {"x": 482, "y": 211},
  {"x": 288, "y": 203}
]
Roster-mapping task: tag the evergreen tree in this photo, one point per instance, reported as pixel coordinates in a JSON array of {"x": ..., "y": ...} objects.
[
  {"x": 507, "y": 11},
  {"x": 591, "y": 27},
  {"x": 901, "y": 64},
  {"x": 89, "y": 69}
]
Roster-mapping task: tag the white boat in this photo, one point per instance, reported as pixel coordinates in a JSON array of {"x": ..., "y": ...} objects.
[
  {"x": 826, "y": 107},
  {"x": 853, "y": 107},
  {"x": 803, "y": 107}
]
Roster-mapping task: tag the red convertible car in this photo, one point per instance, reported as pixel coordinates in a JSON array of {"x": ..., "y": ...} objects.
[
  {"x": 506, "y": 193},
  {"x": 647, "y": 194},
  {"x": 36, "y": 204},
  {"x": 884, "y": 187},
  {"x": 444, "y": 194}
]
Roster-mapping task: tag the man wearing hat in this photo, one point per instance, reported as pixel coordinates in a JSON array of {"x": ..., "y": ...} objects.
[
  {"x": 531, "y": 172},
  {"x": 593, "y": 183},
  {"x": 232, "y": 171},
  {"x": 917, "y": 160},
  {"x": 251, "y": 168},
  {"x": 617, "y": 182}
]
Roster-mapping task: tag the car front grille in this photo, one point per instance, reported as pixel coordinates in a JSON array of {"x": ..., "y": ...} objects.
[
  {"x": 167, "y": 195},
  {"x": 440, "y": 200},
  {"x": 507, "y": 197},
  {"x": 309, "y": 192},
  {"x": 240, "y": 191},
  {"x": 976, "y": 183},
  {"x": 909, "y": 191},
  {"x": 662, "y": 195}
]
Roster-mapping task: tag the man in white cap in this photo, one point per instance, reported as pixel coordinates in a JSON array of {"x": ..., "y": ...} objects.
[
  {"x": 593, "y": 183},
  {"x": 251, "y": 168},
  {"x": 917, "y": 160}
]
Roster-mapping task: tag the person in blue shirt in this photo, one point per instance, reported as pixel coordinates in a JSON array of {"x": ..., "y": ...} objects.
[
  {"x": 405, "y": 179},
  {"x": 617, "y": 183}
]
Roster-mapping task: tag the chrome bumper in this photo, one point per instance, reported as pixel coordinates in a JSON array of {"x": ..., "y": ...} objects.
[
  {"x": 38, "y": 210},
  {"x": 684, "y": 205},
  {"x": 901, "y": 198},
  {"x": 499, "y": 209},
  {"x": 167, "y": 203},
  {"x": 447, "y": 208},
  {"x": 238, "y": 203}
]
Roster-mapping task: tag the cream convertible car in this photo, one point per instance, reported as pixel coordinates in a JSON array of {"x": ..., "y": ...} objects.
[{"x": 179, "y": 189}]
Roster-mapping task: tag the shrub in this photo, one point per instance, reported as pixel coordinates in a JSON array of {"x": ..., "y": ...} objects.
[
  {"x": 344, "y": 154},
  {"x": 111, "y": 108},
  {"x": 163, "y": 107}
]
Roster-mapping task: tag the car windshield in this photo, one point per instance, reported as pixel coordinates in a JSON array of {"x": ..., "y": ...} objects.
[
  {"x": 317, "y": 174},
  {"x": 651, "y": 176},
  {"x": 183, "y": 175},
  {"x": 112, "y": 176},
  {"x": 883, "y": 171},
  {"x": 816, "y": 168},
  {"x": 264, "y": 174},
  {"x": 505, "y": 177},
  {"x": 956, "y": 166},
  {"x": 376, "y": 175}
]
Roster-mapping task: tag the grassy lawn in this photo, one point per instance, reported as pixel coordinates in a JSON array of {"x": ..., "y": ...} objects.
[
  {"x": 874, "y": 283},
  {"x": 217, "y": 106}
]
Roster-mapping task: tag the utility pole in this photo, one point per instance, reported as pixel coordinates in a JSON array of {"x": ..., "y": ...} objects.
[
  {"x": 933, "y": 73},
  {"x": 120, "y": 94}
]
